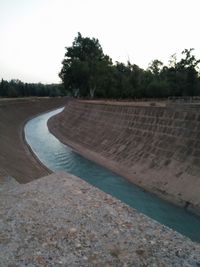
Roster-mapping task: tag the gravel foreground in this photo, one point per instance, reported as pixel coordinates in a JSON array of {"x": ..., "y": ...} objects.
[{"x": 60, "y": 220}]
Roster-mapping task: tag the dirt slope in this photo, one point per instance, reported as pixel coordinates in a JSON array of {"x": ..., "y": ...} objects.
[{"x": 15, "y": 158}]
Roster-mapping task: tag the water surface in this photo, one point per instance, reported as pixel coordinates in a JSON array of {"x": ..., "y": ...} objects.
[{"x": 57, "y": 156}]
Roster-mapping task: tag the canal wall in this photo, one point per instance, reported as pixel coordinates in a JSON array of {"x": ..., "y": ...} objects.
[
  {"x": 16, "y": 159},
  {"x": 156, "y": 147},
  {"x": 60, "y": 220}
]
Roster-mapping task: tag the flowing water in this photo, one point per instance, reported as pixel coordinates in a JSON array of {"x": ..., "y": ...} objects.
[{"x": 57, "y": 156}]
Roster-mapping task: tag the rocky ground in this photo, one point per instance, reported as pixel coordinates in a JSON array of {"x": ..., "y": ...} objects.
[
  {"x": 15, "y": 157},
  {"x": 60, "y": 220}
]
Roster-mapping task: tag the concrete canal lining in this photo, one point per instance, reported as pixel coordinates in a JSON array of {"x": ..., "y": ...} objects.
[
  {"x": 156, "y": 147},
  {"x": 15, "y": 157},
  {"x": 60, "y": 220}
]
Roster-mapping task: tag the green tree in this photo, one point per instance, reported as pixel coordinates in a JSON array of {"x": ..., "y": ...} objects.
[
  {"x": 182, "y": 75},
  {"x": 187, "y": 69},
  {"x": 155, "y": 67},
  {"x": 83, "y": 66},
  {"x": 4, "y": 87}
]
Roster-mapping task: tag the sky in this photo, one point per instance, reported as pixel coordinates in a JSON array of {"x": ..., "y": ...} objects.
[{"x": 34, "y": 33}]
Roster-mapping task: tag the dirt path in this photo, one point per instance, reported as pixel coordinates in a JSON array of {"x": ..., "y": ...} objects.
[{"x": 15, "y": 158}]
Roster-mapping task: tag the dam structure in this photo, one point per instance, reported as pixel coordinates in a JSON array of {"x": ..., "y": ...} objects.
[{"x": 155, "y": 147}]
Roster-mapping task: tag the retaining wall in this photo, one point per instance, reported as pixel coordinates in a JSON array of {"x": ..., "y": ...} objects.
[{"x": 157, "y": 148}]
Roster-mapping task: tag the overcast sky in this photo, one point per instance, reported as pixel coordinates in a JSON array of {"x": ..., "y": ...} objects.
[{"x": 34, "y": 33}]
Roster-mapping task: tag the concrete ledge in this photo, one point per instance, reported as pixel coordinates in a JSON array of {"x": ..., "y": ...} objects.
[{"x": 60, "y": 220}]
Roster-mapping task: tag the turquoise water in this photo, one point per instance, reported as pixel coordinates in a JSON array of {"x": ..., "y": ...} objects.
[{"x": 57, "y": 156}]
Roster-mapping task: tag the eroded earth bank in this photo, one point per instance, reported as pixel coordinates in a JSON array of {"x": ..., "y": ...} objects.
[{"x": 156, "y": 147}]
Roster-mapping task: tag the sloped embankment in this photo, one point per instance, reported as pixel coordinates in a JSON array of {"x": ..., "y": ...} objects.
[
  {"x": 15, "y": 158},
  {"x": 157, "y": 148}
]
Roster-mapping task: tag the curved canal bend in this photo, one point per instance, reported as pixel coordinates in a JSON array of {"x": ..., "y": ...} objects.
[{"x": 57, "y": 156}]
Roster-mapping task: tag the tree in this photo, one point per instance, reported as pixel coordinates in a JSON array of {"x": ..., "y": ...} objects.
[
  {"x": 186, "y": 74},
  {"x": 4, "y": 86},
  {"x": 155, "y": 67},
  {"x": 83, "y": 66},
  {"x": 16, "y": 88}
]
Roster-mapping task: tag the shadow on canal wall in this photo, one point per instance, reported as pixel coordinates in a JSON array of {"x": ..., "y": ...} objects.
[{"x": 156, "y": 147}]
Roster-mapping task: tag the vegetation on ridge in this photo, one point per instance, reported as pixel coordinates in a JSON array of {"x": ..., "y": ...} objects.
[
  {"x": 87, "y": 72},
  {"x": 16, "y": 88}
]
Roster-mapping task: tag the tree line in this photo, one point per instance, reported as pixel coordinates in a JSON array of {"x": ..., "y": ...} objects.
[
  {"x": 88, "y": 72},
  {"x": 16, "y": 88}
]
